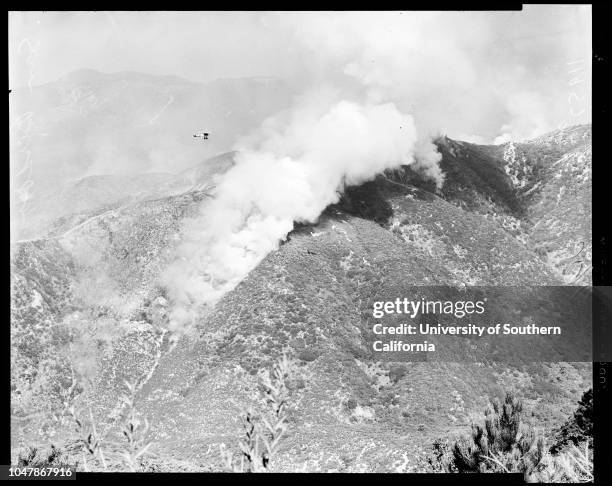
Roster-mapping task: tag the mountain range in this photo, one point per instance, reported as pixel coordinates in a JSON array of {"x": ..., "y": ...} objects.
[{"x": 89, "y": 312}]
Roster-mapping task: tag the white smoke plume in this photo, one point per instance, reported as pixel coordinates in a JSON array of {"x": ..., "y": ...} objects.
[
  {"x": 379, "y": 87},
  {"x": 474, "y": 76},
  {"x": 289, "y": 171}
]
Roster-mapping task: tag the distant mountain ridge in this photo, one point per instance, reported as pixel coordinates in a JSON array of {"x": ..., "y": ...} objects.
[
  {"x": 89, "y": 123},
  {"x": 56, "y": 213}
]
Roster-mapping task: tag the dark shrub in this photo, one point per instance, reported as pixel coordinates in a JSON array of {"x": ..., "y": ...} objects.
[
  {"x": 34, "y": 457},
  {"x": 579, "y": 428},
  {"x": 501, "y": 442},
  {"x": 366, "y": 201}
]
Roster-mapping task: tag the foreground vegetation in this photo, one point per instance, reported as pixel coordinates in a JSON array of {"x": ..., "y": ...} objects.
[{"x": 503, "y": 442}]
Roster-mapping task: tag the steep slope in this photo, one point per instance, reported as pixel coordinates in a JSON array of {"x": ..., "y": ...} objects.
[
  {"x": 41, "y": 295},
  {"x": 53, "y": 215},
  {"x": 75, "y": 295},
  {"x": 309, "y": 299},
  {"x": 552, "y": 178},
  {"x": 312, "y": 300},
  {"x": 560, "y": 211},
  {"x": 539, "y": 191}
]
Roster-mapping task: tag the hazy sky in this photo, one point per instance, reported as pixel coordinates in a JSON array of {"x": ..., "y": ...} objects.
[
  {"x": 200, "y": 46},
  {"x": 488, "y": 75}
]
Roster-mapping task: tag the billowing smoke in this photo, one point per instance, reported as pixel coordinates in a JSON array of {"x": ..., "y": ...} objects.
[
  {"x": 289, "y": 171},
  {"x": 476, "y": 76},
  {"x": 378, "y": 88}
]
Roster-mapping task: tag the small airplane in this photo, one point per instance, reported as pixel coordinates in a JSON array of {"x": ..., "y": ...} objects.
[{"x": 202, "y": 135}]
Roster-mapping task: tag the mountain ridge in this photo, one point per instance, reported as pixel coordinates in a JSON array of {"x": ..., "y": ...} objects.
[{"x": 309, "y": 298}]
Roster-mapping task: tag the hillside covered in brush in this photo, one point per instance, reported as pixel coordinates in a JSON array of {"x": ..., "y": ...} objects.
[{"x": 90, "y": 313}]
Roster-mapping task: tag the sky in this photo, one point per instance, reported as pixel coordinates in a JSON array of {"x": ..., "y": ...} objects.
[{"x": 479, "y": 76}]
